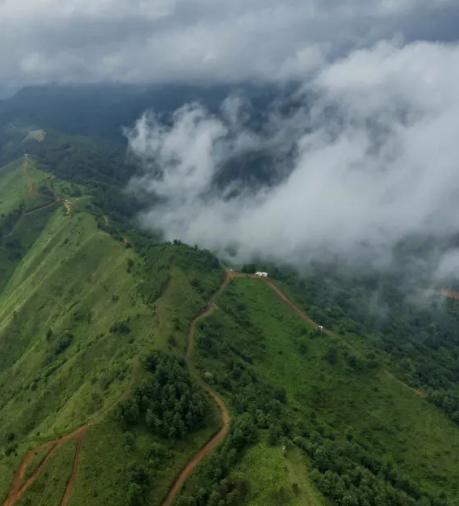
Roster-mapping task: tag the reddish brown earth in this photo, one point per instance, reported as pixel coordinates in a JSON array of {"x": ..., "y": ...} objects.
[
  {"x": 449, "y": 293},
  {"x": 17, "y": 490},
  {"x": 73, "y": 476}
]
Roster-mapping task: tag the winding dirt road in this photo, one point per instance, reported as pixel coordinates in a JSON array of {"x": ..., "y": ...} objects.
[
  {"x": 18, "y": 488},
  {"x": 304, "y": 316},
  {"x": 221, "y": 434}
]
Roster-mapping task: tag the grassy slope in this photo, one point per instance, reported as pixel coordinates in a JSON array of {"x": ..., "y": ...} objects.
[
  {"x": 277, "y": 477},
  {"x": 106, "y": 460},
  {"x": 65, "y": 286},
  {"x": 100, "y": 480},
  {"x": 380, "y": 411},
  {"x": 74, "y": 279},
  {"x": 16, "y": 181}
]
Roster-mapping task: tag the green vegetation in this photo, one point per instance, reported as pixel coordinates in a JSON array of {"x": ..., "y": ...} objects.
[
  {"x": 134, "y": 466},
  {"x": 167, "y": 401},
  {"x": 37, "y": 459},
  {"x": 364, "y": 435},
  {"x": 77, "y": 308},
  {"x": 415, "y": 334},
  {"x": 214, "y": 485},
  {"x": 277, "y": 476}
]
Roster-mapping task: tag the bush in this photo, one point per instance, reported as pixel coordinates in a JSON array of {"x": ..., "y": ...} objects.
[
  {"x": 63, "y": 342},
  {"x": 120, "y": 327}
]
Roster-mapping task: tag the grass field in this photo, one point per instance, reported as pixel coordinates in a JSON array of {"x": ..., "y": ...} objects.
[
  {"x": 380, "y": 412},
  {"x": 63, "y": 359},
  {"x": 277, "y": 477}
]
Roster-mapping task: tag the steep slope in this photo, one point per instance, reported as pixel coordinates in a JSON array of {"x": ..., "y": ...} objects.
[
  {"x": 78, "y": 309},
  {"x": 364, "y": 434}
]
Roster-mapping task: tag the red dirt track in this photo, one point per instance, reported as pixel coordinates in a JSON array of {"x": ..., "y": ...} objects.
[
  {"x": 17, "y": 490},
  {"x": 76, "y": 462},
  {"x": 221, "y": 434}
]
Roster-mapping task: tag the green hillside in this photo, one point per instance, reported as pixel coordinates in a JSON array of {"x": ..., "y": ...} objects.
[
  {"x": 79, "y": 312},
  {"x": 100, "y": 403},
  {"x": 364, "y": 435}
]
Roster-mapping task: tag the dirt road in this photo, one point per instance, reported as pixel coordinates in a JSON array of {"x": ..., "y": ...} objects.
[
  {"x": 221, "y": 434},
  {"x": 304, "y": 316},
  {"x": 76, "y": 463},
  {"x": 18, "y": 488}
]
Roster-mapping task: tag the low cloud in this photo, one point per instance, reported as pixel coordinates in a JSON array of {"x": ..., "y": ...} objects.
[{"x": 368, "y": 157}]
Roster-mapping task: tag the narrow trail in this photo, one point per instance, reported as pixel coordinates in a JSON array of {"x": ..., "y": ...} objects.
[
  {"x": 73, "y": 476},
  {"x": 221, "y": 434},
  {"x": 18, "y": 488},
  {"x": 44, "y": 206},
  {"x": 304, "y": 316},
  {"x": 30, "y": 187}
]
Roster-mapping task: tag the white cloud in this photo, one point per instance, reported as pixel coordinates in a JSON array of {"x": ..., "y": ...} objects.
[{"x": 377, "y": 159}]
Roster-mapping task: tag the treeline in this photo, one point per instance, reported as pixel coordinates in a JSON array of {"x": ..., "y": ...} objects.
[
  {"x": 98, "y": 164},
  {"x": 349, "y": 474},
  {"x": 8, "y": 221},
  {"x": 167, "y": 402}
]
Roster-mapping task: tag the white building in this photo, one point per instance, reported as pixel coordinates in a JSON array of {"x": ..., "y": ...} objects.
[{"x": 261, "y": 274}]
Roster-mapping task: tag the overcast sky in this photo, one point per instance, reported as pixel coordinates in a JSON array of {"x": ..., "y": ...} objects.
[
  {"x": 382, "y": 166},
  {"x": 225, "y": 40}
]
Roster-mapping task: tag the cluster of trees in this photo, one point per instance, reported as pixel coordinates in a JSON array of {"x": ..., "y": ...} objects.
[
  {"x": 82, "y": 160},
  {"x": 63, "y": 342},
  {"x": 138, "y": 477},
  {"x": 447, "y": 400},
  {"x": 168, "y": 402},
  {"x": 8, "y": 221},
  {"x": 216, "y": 487},
  {"x": 120, "y": 327},
  {"x": 350, "y": 475},
  {"x": 247, "y": 392}
]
